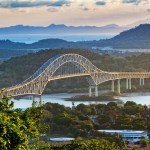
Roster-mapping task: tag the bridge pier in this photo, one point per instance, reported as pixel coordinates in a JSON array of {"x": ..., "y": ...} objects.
[
  {"x": 34, "y": 103},
  {"x": 96, "y": 91},
  {"x": 113, "y": 86},
  {"x": 130, "y": 84},
  {"x": 143, "y": 82},
  {"x": 140, "y": 81},
  {"x": 127, "y": 84},
  {"x": 119, "y": 86},
  {"x": 90, "y": 91},
  {"x": 40, "y": 102}
]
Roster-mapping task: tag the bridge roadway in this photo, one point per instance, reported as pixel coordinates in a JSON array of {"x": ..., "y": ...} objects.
[{"x": 67, "y": 66}]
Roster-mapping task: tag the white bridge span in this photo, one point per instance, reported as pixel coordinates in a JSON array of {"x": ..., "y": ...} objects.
[{"x": 66, "y": 66}]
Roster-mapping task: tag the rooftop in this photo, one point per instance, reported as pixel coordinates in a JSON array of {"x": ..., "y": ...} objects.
[
  {"x": 122, "y": 131},
  {"x": 62, "y": 139}
]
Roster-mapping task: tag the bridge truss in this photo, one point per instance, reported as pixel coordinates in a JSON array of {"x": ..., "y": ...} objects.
[{"x": 66, "y": 66}]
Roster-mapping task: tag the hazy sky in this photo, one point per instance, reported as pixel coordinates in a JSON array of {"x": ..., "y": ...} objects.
[{"x": 73, "y": 12}]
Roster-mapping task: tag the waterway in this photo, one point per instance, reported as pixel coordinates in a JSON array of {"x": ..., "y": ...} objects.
[{"x": 139, "y": 98}]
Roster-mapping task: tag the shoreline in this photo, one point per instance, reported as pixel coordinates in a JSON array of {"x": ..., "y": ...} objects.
[
  {"x": 106, "y": 98},
  {"x": 78, "y": 100}
]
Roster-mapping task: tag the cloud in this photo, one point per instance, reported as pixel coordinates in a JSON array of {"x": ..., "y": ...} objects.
[
  {"x": 148, "y": 10},
  {"x": 136, "y": 2},
  {"x": 52, "y": 9},
  {"x": 85, "y": 8},
  {"x": 29, "y": 3},
  {"x": 100, "y": 3}
]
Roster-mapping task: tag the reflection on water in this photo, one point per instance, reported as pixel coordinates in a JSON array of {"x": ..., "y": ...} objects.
[{"x": 141, "y": 98}]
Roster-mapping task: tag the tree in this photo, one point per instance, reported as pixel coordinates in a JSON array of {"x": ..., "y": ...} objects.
[
  {"x": 144, "y": 142},
  {"x": 16, "y": 126}
]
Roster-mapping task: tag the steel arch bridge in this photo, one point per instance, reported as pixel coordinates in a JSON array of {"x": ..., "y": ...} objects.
[{"x": 66, "y": 66}]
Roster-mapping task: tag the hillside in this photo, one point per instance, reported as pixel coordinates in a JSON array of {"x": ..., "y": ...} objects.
[
  {"x": 138, "y": 37},
  {"x": 18, "y": 69},
  {"x": 47, "y": 43}
]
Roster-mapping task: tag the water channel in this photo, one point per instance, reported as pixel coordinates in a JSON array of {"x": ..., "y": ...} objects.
[{"x": 139, "y": 98}]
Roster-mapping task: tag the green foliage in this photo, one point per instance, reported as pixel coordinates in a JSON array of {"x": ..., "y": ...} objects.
[
  {"x": 65, "y": 121},
  {"x": 144, "y": 142},
  {"x": 84, "y": 145},
  {"x": 16, "y": 126},
  {"x": 82, "y": 120}
]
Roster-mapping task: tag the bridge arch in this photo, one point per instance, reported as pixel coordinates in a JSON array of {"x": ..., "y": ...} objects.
[
  {"x": 38, "y": 81},
  {"x": 48, "y": 71}
]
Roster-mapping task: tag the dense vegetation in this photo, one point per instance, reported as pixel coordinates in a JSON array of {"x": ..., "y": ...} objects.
[
  {"x": 83, "y": 120},
  {"x": 21, "y": 129},
  {"x": 16, "y": 127},
  {"x": 18, "y": 69},
  {"x": 85, "y": 145},
  {"x": 6, "y": 54}
]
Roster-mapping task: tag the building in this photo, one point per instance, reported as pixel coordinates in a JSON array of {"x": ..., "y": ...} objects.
[
  {"x": 61, "y": 139},
  {"x": 128, "y": 135}
]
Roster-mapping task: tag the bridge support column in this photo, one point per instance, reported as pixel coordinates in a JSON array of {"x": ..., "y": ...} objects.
[
  {"x": 127, "y": 84},
  {"x": 143, "y": 82},
  {"x": 140, "y": 81},
  {"x": 96, "y": 91},
  {"x": 34, "y": 103},
  {"x": 119, "y": 86},
  {"x": 113, "y": 86},
  {"x": 90, "y": 91},
  {"x": 40, "y": 102},
  {"x": 130, "y": 84}
]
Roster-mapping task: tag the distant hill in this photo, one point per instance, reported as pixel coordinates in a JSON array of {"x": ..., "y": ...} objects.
[
  {"x": 136, "y": 38},
  {"x": 62, "y": 29},
  {"x": 42, "y": 44}
]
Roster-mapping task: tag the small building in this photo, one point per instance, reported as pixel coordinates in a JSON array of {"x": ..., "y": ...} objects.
[
  {"x": 61, "y": 139},
  {"x": 128, "y": 135}
]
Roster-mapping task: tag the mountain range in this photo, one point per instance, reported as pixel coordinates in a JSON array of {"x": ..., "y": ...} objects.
[
  {"x": 138, "y": 37},
  {"x": 62, "y": 29}
]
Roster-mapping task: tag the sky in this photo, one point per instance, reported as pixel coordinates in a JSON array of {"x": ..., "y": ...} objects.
[{"x": 73, "y": 12}]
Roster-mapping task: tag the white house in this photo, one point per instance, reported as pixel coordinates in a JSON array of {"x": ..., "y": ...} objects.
[{"x": 128, "y": 135}]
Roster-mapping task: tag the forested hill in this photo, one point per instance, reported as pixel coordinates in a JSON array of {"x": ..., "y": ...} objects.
[
  {"x": 42, "y": 44},
  {"x": 18, "y": 69},
  {"x": 138, "y": 37}
]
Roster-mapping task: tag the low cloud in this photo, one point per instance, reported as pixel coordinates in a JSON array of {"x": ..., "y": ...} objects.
[
  {"x": 136, "y": 2},
  {"x": 100, "y": 3},
  {"x": 29, "y": 3}
]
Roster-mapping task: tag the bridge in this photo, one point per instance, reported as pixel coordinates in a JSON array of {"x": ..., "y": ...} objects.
[{"x": 67, "y": 66}]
